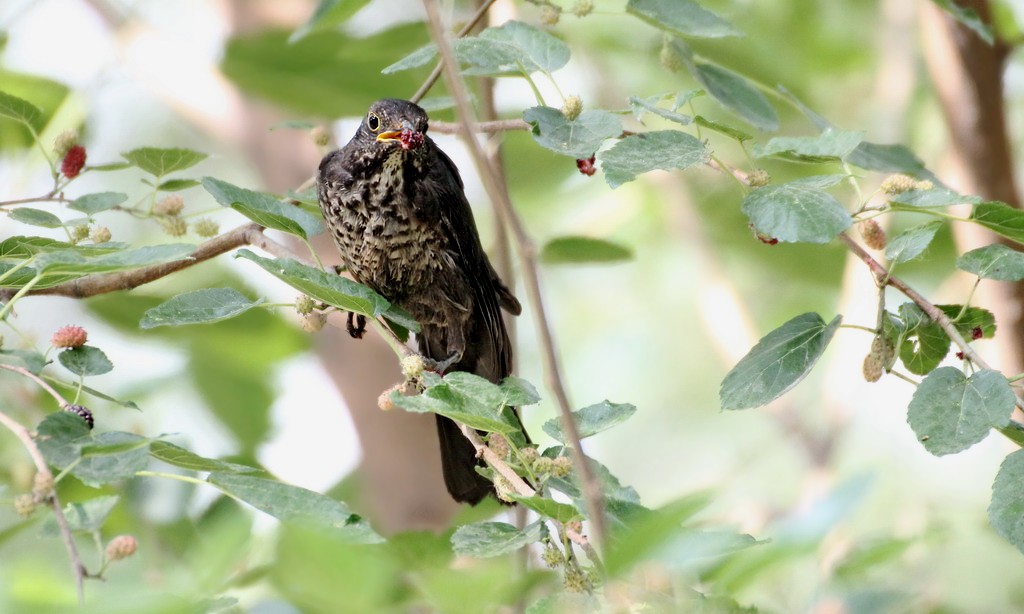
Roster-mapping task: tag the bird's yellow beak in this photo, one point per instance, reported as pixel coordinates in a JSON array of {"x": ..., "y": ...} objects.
[{"x": 391, "y": 135}]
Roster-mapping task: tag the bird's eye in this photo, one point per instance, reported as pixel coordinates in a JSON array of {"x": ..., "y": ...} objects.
[{"x": 373, "y": 122}]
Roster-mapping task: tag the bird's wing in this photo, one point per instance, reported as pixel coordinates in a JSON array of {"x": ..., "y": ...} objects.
[{"x": 456, "y": 218}]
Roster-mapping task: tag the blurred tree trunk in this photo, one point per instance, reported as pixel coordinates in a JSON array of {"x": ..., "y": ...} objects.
[{"x": 967, "y": 74}]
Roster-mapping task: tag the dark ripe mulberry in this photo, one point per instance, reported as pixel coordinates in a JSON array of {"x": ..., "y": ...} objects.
[
  {"x": 73, "y": 162},
  {"x": 81, "y": 411},
  {"x": 586, "y": 166},
  {"x": 411, "y": 139},
  {"x": 977, "y": 333}
]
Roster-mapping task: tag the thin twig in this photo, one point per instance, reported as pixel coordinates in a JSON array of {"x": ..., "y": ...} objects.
[
  {"x": 592, "y": 495},
  {"x": 883, "y": 277},
  {"x": 488, "y": 127},
  {"x": 522, "y": 488},
  {"x": 51, "y": 197},
  {"x": 42, "y": 383},
  {"x": 436, "y": 73},
  {"x": 497, "y": 463},
  {"x": 77, "y": 568}
]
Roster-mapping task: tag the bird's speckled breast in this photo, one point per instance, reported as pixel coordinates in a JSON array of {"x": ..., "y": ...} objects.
[{"x": 383, "y": 242}]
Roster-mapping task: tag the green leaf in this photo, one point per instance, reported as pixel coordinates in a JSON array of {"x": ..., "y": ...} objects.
[
  {"x": 332, "y": 289},
  {"x": 830, "y": 145},
  {"x": 33, "y": 361},
  {"x": 934, "y": 197},
  {"x": 420, "y": 57},
  {"x": 967, "y": 321},
  {"x": 888, "y": 159},
  {"x": 592, "y": 420},
  {"x": 642, "y": 106},
  {"x": 512, "y": 48},
  {"x": 159, "y": 162},
  {"x": 487, "y": 539},
  {"x": 925, "y": 343},
  {"x": 648, "y": 151},
  {"x": 622, "y": 503},
  {"x": 28, "y": 106},
  {"x": 65, "y": 440},
  {"x": 176, "y": 185},
  {"x": 778, "y": 362},
  {"x": 199, "y": 306},
  {"x": 82, "y": 517},
  {"x": 467, "y": 403},
  {"x": 951, "y": 412},
  {"x": 651, "y": 530},
  {"x": 575, "y": 250},
  {"x": 35, "y": 217},
  {"x": 1006, "y": 512},
  {"x": 993, "y": 262},
  {"x": 969, "y": 18},
  {"x": 869, "y": 556},
  {"x": 21, "y": 246},
  {"x": 796, "y": 212},
  {"x": 296, "y": 504},
  {"x": 578, "y": 138},
  {"x": 911, "y": 243},
  {"x": 562, "y": 512},
  {"x": 328, "y": 14},
  {"x": 57, "y": 436},
  {"x": 78, "y": 262},
  {"x": 20, "y": 110},
  {"x": 1000, "y": 218},
  {"x": 736, "y": 94},
  {"x": 91, "y": 392},
  {"x": 112, "y": 166},
  {"x": 264, "y": 209},
  {"x": 301, "y": 76},
  {"x": 721, "y": 128},
  {"x": 518, "y": 392},
  {"x": 91, "y": 204},
  {"x": 180, "y": 457},
  {"x": 111, "y": 457},
  {"x": 682, "y": 17},
  {"x": 85, "y": 360}
]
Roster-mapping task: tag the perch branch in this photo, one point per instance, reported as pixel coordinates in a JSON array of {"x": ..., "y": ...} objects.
[
  {"x": 590, "y": 487},
  {"x": 92, "y": 285}
]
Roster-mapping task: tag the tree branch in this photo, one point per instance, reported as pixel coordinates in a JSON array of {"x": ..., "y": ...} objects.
[
  {"x": 489, "y": 127},
  {"x": 883, "y": 277},
  {"x": 590, "y": 487},
  {"x": 92, "y": 285},
  {"x": 42, "y": 383},
  {"x": 436, "y": 72},
  {"x": 77, "y": 568}
]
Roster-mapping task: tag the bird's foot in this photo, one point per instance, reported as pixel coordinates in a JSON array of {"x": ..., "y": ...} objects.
[
  {"x": 440, "y": 366},
  {"x": 356, "y": 325}
]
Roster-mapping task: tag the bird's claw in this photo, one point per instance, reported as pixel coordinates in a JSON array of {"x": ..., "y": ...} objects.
[
  {"x": 440, "y": 366},
  {"x": 356, "y": 325}
]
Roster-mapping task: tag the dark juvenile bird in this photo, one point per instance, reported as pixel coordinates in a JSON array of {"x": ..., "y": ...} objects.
[{"x": 396, "y": 207}]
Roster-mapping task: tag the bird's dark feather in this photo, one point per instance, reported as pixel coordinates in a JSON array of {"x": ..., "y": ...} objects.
[{"x": 405, "y": 229}]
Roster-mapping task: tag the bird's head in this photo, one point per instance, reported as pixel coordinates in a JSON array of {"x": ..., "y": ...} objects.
[{"x": 395, "y": 123}]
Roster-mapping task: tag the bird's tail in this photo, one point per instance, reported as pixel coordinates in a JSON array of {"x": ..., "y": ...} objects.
[{"x": 459, "y": 462}]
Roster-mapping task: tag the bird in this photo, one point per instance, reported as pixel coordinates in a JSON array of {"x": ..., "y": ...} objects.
[{"x": 395, "y": 205}]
